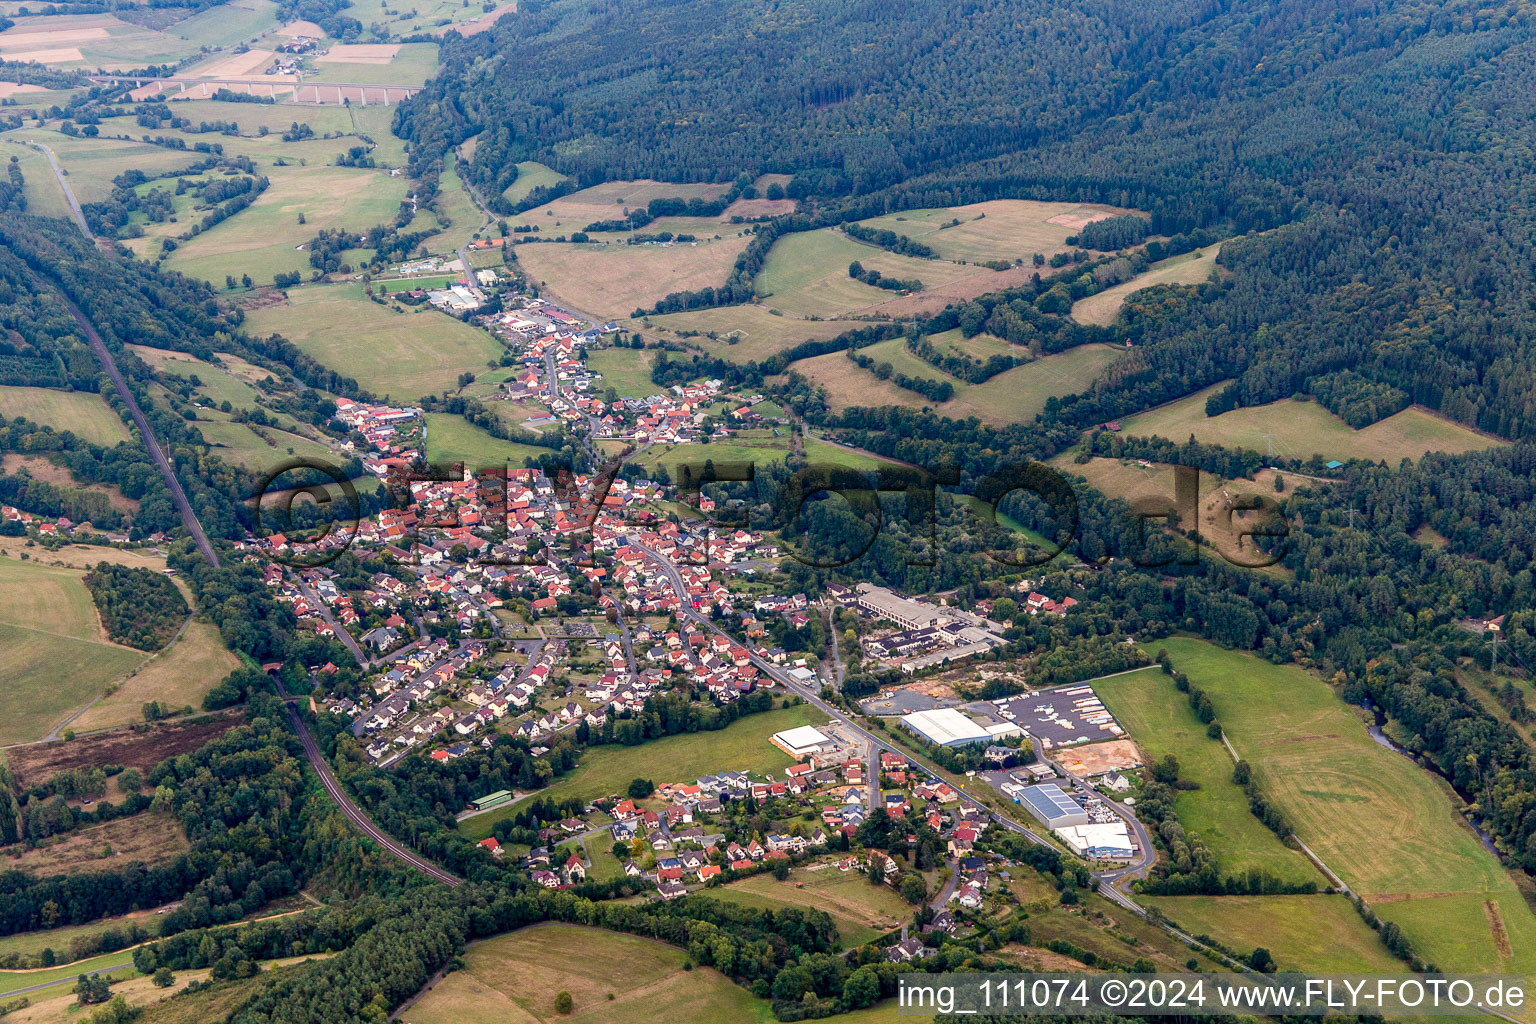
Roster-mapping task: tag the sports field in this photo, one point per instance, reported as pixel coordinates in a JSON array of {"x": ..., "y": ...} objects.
[
  {"x": 604, "y": 771},
  {"x": 611, "y": 978},
  {"x": 180, "y": 675},
  {"x": 1382, "y": 823},
  {"x": 82, "y": 412},
  {"x": 264, "y": 239},
  {"x": 1301, "y": 429},
  {"x": 614, "y": 279},
  {"x": 1161, "y": 722},
  {"x": 742, "y": 333},
  {"x": 861, "y": 911},
  {"x": 57, "y": 656},
  {"x": 1012, "y": 396},
  {"x": 806, "y": 273},
  {"x": 1190, "y": 268},
  {"x": 626, "y": 370},
  {"x": 451, "y": 439},
  {"x": 1002, "y": 229},
  {"x": 403, "y": 355}
]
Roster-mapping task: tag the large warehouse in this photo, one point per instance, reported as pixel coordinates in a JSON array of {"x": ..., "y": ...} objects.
[
  {"x": 1054, "y": 808},
  {"x": 802, "y": 742},
  {"x": 946, "y": 727}
]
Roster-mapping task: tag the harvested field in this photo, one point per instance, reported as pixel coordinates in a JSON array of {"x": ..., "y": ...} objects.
[
  {"x": 140, "y": 747},
  {"x": 1300, "y": 429},
  {"x": 150, "y": 838},
  {"x": 1001, "y": 229},
  {"x": 759, "y": 208},
  {"x": 178, "y": 676},
  {"x": 251, "y": 62},
  {"x": 67, "y": 55},
  {"x": 9, "y": 89},
  {"x": 607, "y": 201},
  {"x": 862, "y": 912},
  {"x": 934, "y": 298},
  {"x": 1190, "y": 268},
  {"x": 301, "y": 28},
  {"x": 742, "y": 333},
  {"x": 41, "y": 469},
  {"x": 359, "y": 53},
  {"x": 614, "y": 280}
]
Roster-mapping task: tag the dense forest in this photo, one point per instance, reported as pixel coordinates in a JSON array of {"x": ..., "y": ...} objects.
[
  {"x": 139, "y": 607},
  {"x": 1376, "y": 151}
]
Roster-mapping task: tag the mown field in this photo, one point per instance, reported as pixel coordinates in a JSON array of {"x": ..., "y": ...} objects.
[
  {"x": 861, "y": 911},
  {"x": 806, "y": 274},
  {"x": 1382, "y": 823},
  {"x": 743, "y": 746},
  {"x": 1002, "y": 229},
  {"x": 603, "y": 202},
  {"x": 151, "y": 838},
  {"x": 452, "y": 439},
  {"x": 265, "y": 238},
  {"x": 1161, "y": 722},
  {"x": 91, "y": 164},
  {"x": 177, "y": 676},
  {"x": 1190, "y": 268},
  {"x": 41, "y": 188},
  {"x": 403, "y": 355},
  {"x": 57, "y": 656},
  {"x": 1012, "y": 396},
  {"x": 82, "y": 412},
  {"x": 626, "y": 370},
  {"x": 412, "y": 64},
  {"x": 258, "y": 448},
  {"x": 611, "y": 978},
  {"x": 742, "y": 333},
  {"x": 1302, "y": 429},
  {"x": 1304, "y": 933},
  {"x": 457, "y": 215},
  {"x": 531, "y": 175},
  {"x": 614, "y": 279}
]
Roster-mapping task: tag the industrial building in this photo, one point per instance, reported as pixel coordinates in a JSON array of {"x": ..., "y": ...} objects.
[
  {"x": 946, "y": 727},
  {"x": 1054, "y": 808},
  {"x": 802, "y": 742},
  {"x": 1099, "y": 840}
]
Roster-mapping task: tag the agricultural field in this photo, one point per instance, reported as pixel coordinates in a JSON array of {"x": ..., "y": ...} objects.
[
  {"x": 626, "y": 370},
  {"x": 1382, "y": 823},
  {"x": 602, "y": 202},
  {"x": 57, "y": 654},
  {"x": 395, "y": 352},
  {"x": 367, "y": 64},
  {"x": 1300, "y": 429},
  {"x": 743, "y": 746},
  {"x": 218, "y": 384},
  {"x": 178, "y": 676},
  {"x": 460, "y": 218},
  {"x": 611, "y": 978},
  {"x": 102, "y": 40},
  {"x": 1304, "y": 933},
  {"x": 1190, "y": 268},
  {"x": 451, "y": 439},
  {"x": 41, "y": 188},
  {"x": 755, "y": 446},
  {"x": 806, "y": 274},
  {"x": 266, "y": 238},
  {"x": 1002, "y": 229},
  {"x": 82, "y": 412},
  {"x": 147, "y": 837},
  {"x": 531, "y": 175},
  {"x": 91, "y": 164},
  {"x": 741, "y": 333},
  {"x": 130, "y": 748},
  {"x": 1161, "y": 722},
  {"x": 613, "y": 280},
  {"x": 1130, "y": 481},
  {"x": 1012, "y": 396},
  {"x": 861, "y": 911},
  {"x": 257, "y": 448}
]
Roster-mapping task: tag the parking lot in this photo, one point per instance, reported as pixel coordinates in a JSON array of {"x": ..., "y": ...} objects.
[{"x": 1055, "y": 718}]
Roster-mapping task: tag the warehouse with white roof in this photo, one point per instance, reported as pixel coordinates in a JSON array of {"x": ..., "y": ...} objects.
[{"x": 946, "y": 727}]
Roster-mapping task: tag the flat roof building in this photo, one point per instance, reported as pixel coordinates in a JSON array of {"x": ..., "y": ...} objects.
[
  {"x": 801, "y": 742},
  {"x": 946, "y": 727},
  {"x": 1098, "y": 840},
  {"x": 1054, "y": 808}
]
